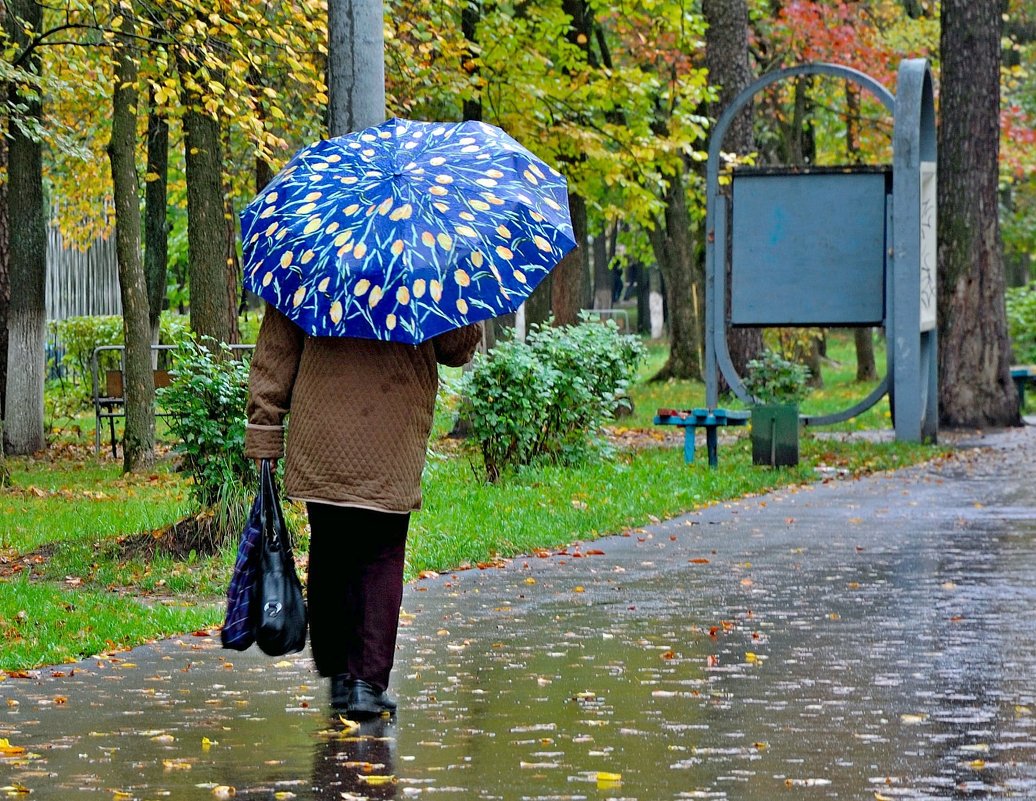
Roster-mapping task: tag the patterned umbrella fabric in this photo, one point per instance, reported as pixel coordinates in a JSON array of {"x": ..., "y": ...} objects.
[{"x": 405, "y": 230}]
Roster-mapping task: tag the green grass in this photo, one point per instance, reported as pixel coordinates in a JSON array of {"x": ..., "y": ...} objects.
[
  {"x": 465, "y": 521},
  {"x": 42, "y": 624},
  {"x": 72, "y": 501}
]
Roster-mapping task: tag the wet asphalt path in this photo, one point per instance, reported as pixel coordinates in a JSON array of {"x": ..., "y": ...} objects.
[{"x": 857, "y": 639}]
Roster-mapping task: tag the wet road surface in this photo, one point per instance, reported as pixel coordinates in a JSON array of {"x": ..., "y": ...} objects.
[{"x": 854, "y": 639}]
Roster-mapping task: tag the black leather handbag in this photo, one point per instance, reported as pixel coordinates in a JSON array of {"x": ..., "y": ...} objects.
[{"x": 280, "y": 623}]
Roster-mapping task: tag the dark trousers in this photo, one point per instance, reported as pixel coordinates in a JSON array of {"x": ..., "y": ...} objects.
[{"x": 354, "y": 590}]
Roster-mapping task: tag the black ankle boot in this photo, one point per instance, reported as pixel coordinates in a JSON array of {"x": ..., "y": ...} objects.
[
  {"x": 366, "y": 701},
  {"x": 341, "y": 686}
]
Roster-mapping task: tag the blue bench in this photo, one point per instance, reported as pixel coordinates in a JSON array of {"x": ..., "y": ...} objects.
[
  {"x": 709, "y": 419},
  {"x": 1022, "y": 375}
]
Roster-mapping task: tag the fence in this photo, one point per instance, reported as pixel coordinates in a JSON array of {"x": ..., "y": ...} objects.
[{"x": 81, "y": 282}]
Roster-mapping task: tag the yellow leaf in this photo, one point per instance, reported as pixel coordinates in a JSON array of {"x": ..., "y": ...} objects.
[
  {"x": 977, "y": 764},
  {"x": 6, "y": 749},
  {"x": 530, "y": 580},
  {"x": 606, "y": 779},
  {"x": 224, "y": 791},
  {"x": 377, "y": 780}
]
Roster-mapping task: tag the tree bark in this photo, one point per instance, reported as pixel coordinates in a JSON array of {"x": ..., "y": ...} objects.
[
  {"x": 27, "y": 214},
  {"x": 866, "y": 369},
  {"x": 569, "y": 278},
  {"x": 470, "y": 16},
  {"x": 672, "y": 244},
  {"x": 726, "y": 56},
  {"x": 138, "y": 378},
  {"x": 5, "y": 263},
  {"x": 206, "y": 226},
  {"x": 156, "y": 225},
  {"x": 356, "y": 64},
  {"x": 975, "y": 386},
  {"x": 603, "y": 276}
]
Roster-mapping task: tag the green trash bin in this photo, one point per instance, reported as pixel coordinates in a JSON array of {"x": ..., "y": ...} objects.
[{"x": 775, "y": 435}]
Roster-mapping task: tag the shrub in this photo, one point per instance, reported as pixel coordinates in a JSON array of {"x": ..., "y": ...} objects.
[
  {"x": 771, "y": 378},
  {"x": 1021, "y": 322},
  {"x": 78, "y": 336},
  {"x": 547, "y": 398},
  {"x": 206, "y": 400}
]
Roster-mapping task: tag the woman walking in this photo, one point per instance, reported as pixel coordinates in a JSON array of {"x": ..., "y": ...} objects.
[{"x": 359, "y": 416}]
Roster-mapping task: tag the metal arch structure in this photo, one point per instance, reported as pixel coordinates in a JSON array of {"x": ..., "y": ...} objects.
[
  {"x": 909, "y": 297},
  {"x": 911, "y": 328}
]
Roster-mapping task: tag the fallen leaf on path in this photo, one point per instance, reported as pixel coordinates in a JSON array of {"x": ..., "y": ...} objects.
[
  {"x": 6, "y": 749},
  {"x": 375, "y": 781}
]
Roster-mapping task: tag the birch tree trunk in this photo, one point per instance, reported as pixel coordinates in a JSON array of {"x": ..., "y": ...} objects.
[{"x": 27, "y": 312}]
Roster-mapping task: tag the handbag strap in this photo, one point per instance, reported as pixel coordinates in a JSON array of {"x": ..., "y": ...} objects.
[{"x": 271, "y": 517}]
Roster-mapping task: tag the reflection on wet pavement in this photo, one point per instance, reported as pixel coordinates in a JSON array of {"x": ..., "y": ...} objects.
[{"x": 855, "y": 639}]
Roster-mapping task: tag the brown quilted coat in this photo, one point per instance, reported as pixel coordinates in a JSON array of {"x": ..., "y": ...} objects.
[{"x": 361, "y": 411}]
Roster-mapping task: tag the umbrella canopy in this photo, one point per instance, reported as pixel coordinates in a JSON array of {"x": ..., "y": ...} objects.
[{"x": 405, "y": 230}]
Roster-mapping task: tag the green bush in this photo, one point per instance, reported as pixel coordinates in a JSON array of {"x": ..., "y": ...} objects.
[
  {"x": 1021, "y": 322},
  {"x": 770, "y": 378},
  {"x": 206, "y": 400},
  {"x": 546, "y": 399}
]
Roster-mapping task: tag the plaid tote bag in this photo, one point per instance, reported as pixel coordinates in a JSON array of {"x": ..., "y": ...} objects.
[{"x": 239, "y": 626}]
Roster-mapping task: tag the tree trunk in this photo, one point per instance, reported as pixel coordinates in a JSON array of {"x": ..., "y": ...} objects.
[
  {"x": 866, "y": 369},
  {"x": 232, "y": 273},
  {"x": 5, "y": 474},
  {"x": 5, "y": 263},
  {"x": 569, "y": 278},
  {"x": 138, "y": 378},
  {"x": 537, "y": 305},
  {"x": 470, "y": 16},
  {"x": 356, "y": 64},
  {"x": 206, "y": 226},
  {"x": 726, "y": 56},
  {"x": 975, "y": 386},
  {"x": 673, "y": 247},
  {"x": 27, "y": 214},
  {"x": 156, "y": 225},
  {"x": 603, "y": 276}
]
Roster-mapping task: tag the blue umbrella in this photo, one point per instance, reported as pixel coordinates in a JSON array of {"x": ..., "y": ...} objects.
[{"x": 405, "y": 230}]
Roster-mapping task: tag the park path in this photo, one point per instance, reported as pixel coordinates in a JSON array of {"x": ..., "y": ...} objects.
[{"x": 854, "y": 638}]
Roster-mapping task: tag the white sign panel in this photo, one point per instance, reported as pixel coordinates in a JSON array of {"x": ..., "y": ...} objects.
[{"x": 928, "y": 246}]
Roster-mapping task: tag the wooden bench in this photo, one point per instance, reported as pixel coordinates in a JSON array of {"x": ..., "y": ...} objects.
[
  {"x": 709, "y": 419},
  {"x": 112, "y": 404}
]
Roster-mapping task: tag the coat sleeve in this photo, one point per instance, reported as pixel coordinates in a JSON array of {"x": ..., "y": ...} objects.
[
  {"x": 271, "y": 379},
  {"x": 455, "y": 348}
]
